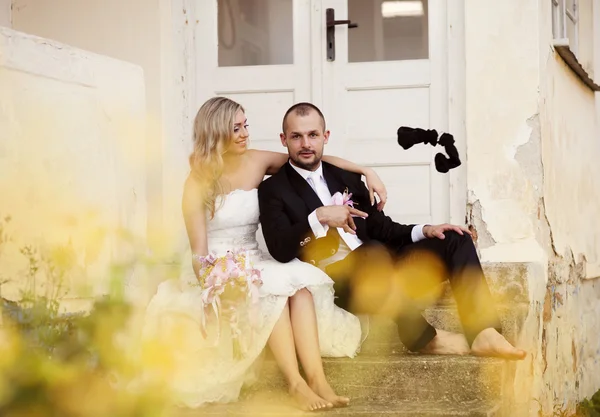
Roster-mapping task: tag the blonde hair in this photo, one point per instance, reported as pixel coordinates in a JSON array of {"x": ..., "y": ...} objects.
[{"x": 213, "y": 133}]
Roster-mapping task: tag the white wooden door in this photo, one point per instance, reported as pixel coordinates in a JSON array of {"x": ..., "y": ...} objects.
[
  {"x": 256, "y": 52},
  {"x": 388, "y": 72}
]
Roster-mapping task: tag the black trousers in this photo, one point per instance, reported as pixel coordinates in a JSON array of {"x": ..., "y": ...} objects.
[{"x": 462, "y": 268}]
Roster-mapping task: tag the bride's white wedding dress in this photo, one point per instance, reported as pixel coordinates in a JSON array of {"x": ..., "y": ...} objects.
[{"x": 205, "y": 370}]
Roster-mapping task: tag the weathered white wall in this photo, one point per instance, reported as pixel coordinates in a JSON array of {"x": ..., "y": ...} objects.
[
  {"x": 502, "y": 76},
  {"x": 502, "y": 79},
  {"x": 570, "y": 144},
  {"x": 140, "y": 32},
  {"x": 570, "y": 151},
  {"x": 72, "y": 134},
  {"x": 533, "y": 179}
]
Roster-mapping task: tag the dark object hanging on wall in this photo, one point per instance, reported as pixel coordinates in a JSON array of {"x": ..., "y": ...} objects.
[{"x": 408, "y": 137}]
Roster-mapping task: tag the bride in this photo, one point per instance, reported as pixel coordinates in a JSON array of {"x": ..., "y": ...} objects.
[{"x": 297, "y": 316}]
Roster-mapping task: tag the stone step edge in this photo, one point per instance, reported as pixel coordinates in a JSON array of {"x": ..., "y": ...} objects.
[{"x": 281, "y": 405}]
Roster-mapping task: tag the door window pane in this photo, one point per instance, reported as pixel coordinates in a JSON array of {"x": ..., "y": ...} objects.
[
  {"x": 255, "y": 32},
  {"x": 388, "y": 30}
]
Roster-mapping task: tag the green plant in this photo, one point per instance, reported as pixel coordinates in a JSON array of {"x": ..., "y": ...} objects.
[
  {"x": 589, "y": 407},
  {"x": 67, "y": 365},
  {"x": 38, "y": 312}
]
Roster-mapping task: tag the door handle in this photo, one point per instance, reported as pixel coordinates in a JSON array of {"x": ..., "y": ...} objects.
[{"x": 331, "y": 24}]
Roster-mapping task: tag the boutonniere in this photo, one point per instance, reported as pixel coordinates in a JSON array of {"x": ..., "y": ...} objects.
[
  {"x": 339, "y": 199},
  {"x": 345, "y": 199}
]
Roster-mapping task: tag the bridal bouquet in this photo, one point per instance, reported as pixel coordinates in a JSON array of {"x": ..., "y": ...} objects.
[{"x": 228, "y": 282}]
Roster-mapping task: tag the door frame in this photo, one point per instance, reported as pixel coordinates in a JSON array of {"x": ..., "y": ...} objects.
[
  {"x": 456, "y": 66},
  {"x": 450, "y": 72}
]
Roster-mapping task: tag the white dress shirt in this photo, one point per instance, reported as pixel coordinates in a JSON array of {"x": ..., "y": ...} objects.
[{"x": 349, "y": 241}]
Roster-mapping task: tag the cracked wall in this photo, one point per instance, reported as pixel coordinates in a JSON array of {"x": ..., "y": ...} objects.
[
  {"x": 570, "y": 148},
  {"x": 502, "y": 94},
  {"x": 533, "y": 181}
]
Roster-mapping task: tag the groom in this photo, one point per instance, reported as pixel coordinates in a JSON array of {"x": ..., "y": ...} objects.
[{"x": 299, "y": 221}]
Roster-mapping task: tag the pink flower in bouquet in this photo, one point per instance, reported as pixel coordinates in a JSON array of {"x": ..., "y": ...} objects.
[
  {"x": 216, "y": 273},
  {"x": 254, "y": 283},
  {"x": 213, "y": 286}
]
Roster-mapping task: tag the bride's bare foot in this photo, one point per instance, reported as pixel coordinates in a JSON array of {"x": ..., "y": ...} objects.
[
  {"x": 306, "y": 397},
  {"x": 491, "y": 343},
  {"x": 322, "y": 388},
  {"x": 447, "y": 343}
]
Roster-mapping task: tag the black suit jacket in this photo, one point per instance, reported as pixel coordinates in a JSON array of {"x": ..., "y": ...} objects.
[{"x": 286, "y": 199}]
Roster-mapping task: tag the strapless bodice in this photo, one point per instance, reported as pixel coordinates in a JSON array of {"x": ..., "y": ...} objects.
[{"x": 235, "y": 222}]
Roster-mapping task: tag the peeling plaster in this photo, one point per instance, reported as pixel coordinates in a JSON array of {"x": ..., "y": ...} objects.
[
  {"x": 532, "y": 191},
  {"x": 544, "y": 232},
  {"x": 559, "y": 358},
  {"x": 529, "y": 158},
  {"x": 481, "y": 235},
  {"x": 560, "y": 321},
  {"x": 505, "y": 211},
  {"x": 528, "y": 155},
  {"x": 523, "y": 136}
]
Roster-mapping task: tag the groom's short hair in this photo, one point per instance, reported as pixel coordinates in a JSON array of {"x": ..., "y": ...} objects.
[{"x": 302, "y": 109}]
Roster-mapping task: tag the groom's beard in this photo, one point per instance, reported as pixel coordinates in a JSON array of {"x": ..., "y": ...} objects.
[{"x": 305, "y": 161}]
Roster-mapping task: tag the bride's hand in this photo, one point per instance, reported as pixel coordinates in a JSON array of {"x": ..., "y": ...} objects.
[{"x": 375, "y": 185}]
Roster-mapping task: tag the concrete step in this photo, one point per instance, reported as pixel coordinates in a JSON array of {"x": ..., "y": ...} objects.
[
  {"x": 446, "y": 317},
  {"x": 281, "y": 405},
  {"x": 385, "y": 380},
  {"x": 382, "y": 349},
  {"x": 403, "y": 377},
  {"x": 384, "y": 330},
  {"x": 509, "y": 291},
  {"x": 508, "y": 281}
]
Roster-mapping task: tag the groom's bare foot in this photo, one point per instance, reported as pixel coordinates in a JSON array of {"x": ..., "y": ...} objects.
[
  {"x": 491, "y": 343},
  {"x": 447, "y": 343},
  {"x": 306, "y": 397},
  {"x": 322, "y": 388}
]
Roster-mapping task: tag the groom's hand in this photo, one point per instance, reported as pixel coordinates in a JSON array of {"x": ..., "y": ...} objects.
[
  {"x": 438, "y": 230},
  {"x": 339, "y": 216}
]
